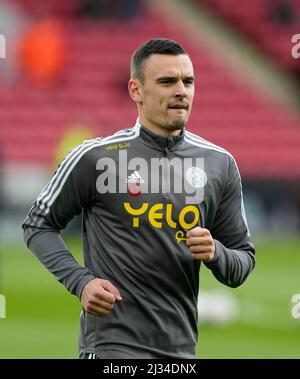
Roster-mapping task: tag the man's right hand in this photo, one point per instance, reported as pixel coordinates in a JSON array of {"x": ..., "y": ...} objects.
[{"x": 99, "y": 297}]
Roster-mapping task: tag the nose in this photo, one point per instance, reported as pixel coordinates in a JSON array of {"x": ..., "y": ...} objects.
[{"x": 180, "y": 89}]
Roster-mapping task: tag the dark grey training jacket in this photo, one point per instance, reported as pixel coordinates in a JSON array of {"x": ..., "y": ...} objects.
[{"x": 140, "y": 193}]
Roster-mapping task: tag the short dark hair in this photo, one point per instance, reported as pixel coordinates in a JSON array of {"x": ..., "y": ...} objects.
[{"x": 153, "y": 46}]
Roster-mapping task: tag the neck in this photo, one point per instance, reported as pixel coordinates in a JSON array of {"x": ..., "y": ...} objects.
[{"x": 156, "y": 129}]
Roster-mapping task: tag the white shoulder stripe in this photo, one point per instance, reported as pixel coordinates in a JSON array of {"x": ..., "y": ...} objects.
[
  {"x": 64, "y": 176},
  {"x": 195, "y": 137},
  {"x": 125, "y": 131},
  {"x": 68, "y": 160},
  {"x": 70, "y": 157},
  {"x": 206, "y": 145},
  {"x": 50, "y": 193},
  {"x": 203, "y": 141},
  {"x": 120, "y": 133}
]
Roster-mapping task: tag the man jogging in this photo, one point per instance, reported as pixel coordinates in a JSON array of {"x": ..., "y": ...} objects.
[{"x": 157, "y": 201}]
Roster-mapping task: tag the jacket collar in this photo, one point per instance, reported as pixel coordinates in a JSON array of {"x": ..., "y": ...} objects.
[{"x": 157, "y": 141}]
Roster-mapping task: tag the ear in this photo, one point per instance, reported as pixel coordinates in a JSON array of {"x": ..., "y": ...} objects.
[{"x": 135, "y": 90}]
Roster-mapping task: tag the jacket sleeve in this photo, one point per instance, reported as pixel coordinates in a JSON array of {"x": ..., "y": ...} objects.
[
  {"x": 235, "y": 254},
  {"x": 70, "y": 190}
]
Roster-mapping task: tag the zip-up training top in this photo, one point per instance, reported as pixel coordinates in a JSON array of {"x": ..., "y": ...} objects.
[{"x": 140, "y": 193}]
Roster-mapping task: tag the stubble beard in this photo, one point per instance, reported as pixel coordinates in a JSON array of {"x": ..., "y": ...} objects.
[{"x": 175, "y": 125}]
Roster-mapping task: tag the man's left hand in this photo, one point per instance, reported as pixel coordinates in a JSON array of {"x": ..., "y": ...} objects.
[{"x": 201, "y": 244}]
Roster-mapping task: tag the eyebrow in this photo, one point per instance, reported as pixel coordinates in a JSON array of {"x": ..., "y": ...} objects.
[{"x": 174, "y": 78}]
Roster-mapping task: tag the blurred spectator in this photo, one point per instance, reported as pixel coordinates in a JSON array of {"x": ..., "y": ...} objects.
[
  {"x": 129, "y": 9},
  {"x": 43, "y": 53},
  {"x": 120, "y": 9},
  {"x": 96, "y": 8},
  {"x": 283, "y": 12}
]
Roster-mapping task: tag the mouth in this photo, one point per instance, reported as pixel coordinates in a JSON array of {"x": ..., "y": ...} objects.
[{"x": 181, "y": 106}]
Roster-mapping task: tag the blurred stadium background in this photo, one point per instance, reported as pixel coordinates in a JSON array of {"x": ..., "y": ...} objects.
[{"x": 64, "y": 80}]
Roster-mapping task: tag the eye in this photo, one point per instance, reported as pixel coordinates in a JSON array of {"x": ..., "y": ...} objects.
[
  {"x": 166, "y": 81},
  {"x": 188, "y": 82}
]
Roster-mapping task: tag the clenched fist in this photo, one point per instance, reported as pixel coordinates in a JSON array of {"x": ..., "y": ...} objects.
[
  {"x": 201, "y": 244},
  {"x": 99, "y": 297}
]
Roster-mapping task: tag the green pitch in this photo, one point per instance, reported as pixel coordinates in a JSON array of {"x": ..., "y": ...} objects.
[{"x": 43, "y": 319}]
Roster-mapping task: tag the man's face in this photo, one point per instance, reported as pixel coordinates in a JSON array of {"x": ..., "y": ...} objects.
[{"x": 166, "y": 91}]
